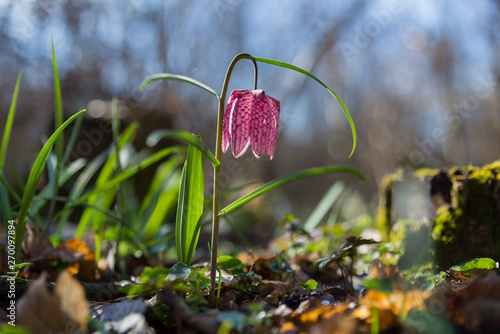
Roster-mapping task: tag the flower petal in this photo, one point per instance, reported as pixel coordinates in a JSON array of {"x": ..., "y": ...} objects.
[
  {"x": 259, "y": 124},
  {"x": 274, "y": 118},
  {"x": 240, "y": 123},
  {"x": 226, "y": 123}
]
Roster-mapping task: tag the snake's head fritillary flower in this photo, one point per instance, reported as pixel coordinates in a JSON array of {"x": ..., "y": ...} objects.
[{"x": 251, "y": 118}]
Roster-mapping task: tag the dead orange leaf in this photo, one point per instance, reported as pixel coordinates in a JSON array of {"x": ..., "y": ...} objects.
[{"x": 64, "y": 311}]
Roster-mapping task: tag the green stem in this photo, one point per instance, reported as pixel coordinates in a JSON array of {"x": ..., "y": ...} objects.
[{"x": 218, "y": 154}]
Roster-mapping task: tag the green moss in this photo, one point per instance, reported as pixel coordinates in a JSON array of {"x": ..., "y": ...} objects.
[
  {"x": 425, "y": 173},
  {"x": 384, "y": 214},
  {"x": 494, "y": 167},
  {"x": 444, "y": 225},
  {"x": 482, "y": 175},
  {"x": 468, "y": 227}
]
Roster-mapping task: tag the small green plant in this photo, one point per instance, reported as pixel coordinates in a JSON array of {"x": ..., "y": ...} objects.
[
  {"x": 348, "y": 250},
  {"x": 106, "y": 207},
  {"x": 251, "y": 119},
  {"x": 309, "y": 285}
]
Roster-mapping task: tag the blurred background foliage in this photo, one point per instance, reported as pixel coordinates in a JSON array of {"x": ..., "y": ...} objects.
[{"x": 420, "y": 79}]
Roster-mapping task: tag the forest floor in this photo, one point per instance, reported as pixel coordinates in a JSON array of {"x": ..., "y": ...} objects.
[{"x": 286, "y": 288}]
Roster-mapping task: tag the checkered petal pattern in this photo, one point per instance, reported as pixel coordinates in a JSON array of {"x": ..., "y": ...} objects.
[{"x": 251, "y": 118}]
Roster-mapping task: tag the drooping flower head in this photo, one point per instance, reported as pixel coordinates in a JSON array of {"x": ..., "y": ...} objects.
[{"x": 251, "y": 118}]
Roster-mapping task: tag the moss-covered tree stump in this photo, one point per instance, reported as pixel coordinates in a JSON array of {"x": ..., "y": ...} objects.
[{"x": 456, "y": 212}]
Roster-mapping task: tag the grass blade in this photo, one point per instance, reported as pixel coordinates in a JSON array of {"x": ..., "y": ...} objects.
[
  {"x": 36, "y": 172},
  {"x": 339, "y": 100},
  {"x": 190, "y": 206},
  {"x": 288, "y": 179},
  {"x": 9, "y": 123},
  {"x": 59, "y": 111},
  {"x": 4, "y": 197},
  {"x": 10, "y": 190},
  {"x": 104, "y": 198},
  {"x": 323, "y": 206},
  {"x": 161, "y": 198},
  {"x": 110, "y": 183},
  {"x": 54, "y": 168},
  {"x": 80, "y": 184},
  {"x": 177, "y": 77},
  {"x": 71, "y": 143},
  {"x": 65, "y": 174},
  {"x": 196, "y": 141}
]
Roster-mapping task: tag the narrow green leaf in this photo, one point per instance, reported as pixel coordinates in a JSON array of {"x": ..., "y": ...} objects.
[
  {"x": 58, "y": 102},
  {"x": 9, "y": 122},
  {"x": 179, "y": 245},
  {"x": 323, "y": 206},
  {"x": 10, "y": 190},
  {"x": 161, "y": 198},
  {"x": 80, "y": 184},
  {"x": 194, "y": 140},
  {"x": 69, "y": 146},
  {"x": 65, "y": 174},
  {"x": 161, "y": 179},
  {"x": 190, "y": 206},
  {"x": 177, "y": 77},
  {"x": 104, "y": 198},
  {"x": 288, "y": 179},
  {"x": 375, "y": 328},
  {"x": 110, "y": 183},
  {"x": 339, "y": 100},
  {"x": 36, "y": 172},
  {"x": 4, "y": 197}
]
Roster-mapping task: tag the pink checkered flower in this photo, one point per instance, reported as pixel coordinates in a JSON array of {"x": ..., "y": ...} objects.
[{"x": 251, "y": 118}]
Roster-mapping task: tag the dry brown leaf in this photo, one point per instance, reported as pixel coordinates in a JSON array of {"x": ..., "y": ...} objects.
[
  {"x": 82, "y": 259},
  {"x": 378, "y": 270},
  {"x": 391, "y": 306},
  {"x": 338, "y": 325},
  {"x": 64, "y": 311},
  {"x": 476, "y": 306},
  {"x": 35, "y": 244},
  {"x": 289, "y": 328}
]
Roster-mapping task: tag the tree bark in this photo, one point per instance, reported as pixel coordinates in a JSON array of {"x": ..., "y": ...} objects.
[{"x": 462, "y": 219}]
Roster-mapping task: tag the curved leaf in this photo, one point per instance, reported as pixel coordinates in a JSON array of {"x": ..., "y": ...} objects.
[
  {"x": 110, "y": 183},
  {"x": 323, "y": 206},
  {"x": 177, "y": 77},
  {"x": 4, "y": 199},
  {"x": 59, "y": 109},
  {"x": 161, "y": 198},
  {"x": 339, "y": 100},
  {"x": 288, "y": 179},
  {"x": 196, "y": 141},
  {"x": 9, "y": 122},
  {"x": 190, "y": 206},
  {"x": 36, "y": 172},
  {"x": 104, "y": 198}
]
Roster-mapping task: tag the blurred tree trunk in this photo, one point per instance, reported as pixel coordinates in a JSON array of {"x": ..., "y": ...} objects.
[{"x": 463, "y": 212}]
